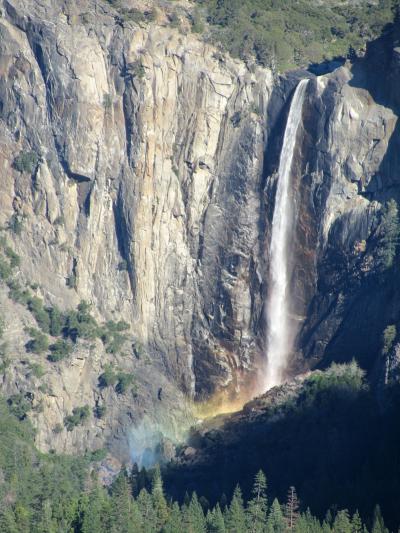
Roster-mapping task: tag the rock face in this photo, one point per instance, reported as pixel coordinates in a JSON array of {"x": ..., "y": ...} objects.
[
  {"x": 148, "y": 189},
  {"x": 349, "y": 161},
  {"x": 145, "y": 197}
]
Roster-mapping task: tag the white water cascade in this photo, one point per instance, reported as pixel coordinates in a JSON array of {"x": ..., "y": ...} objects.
[{"x": 280, "y": 330}]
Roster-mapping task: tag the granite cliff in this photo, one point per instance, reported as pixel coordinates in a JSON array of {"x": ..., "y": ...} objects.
[{"x": 138, "y": 170}]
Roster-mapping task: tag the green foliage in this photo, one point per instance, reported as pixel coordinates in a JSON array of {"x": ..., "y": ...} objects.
[
  {"x": 36, "y": 307},
  {"x": 53, "y": 493},
  {"x": 39, "y": 342},
  {"x": 112, "y": 337},
  {"x": 159, "y": 501},
  {"x": 124, "y": 380},
  {"x": 15, "y": 224},
  {"x": 257, "y": 506},
  {"x": 348, "y": 379},
  {"x": 5, "y": 269},
  {"x": 108, "y": 378},
  {"x": 14, "y": 258},
  {"x": 37, "y": 370},
  {"x": 59, "y": 350},
  {"x": 78, "y": 417},
  {"x": 289, "y": 33},
  {"x": 235, "y": 516},
  {"x": 17, "y": 293},
  {"x": 197, "y": 21},
  {"x": 39, "y": 493},
  {"x": 26, "y": 162},
  {"x": 56, "y": 321},
  {"x": 80, "y": 323},
  {"x": 389, "y": 336},
  {"x": 19, "y": 405},
  {"x": 121, "y": 380},
  {"x": 390, "y": 235}
]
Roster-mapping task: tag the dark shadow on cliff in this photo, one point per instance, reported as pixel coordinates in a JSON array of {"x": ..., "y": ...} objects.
[{"x": 334, "y": 442}]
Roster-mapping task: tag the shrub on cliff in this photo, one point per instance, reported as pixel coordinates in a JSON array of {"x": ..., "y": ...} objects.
[
  {"x": 78, "y": 416},
  {"x": 26, "y": 162},
  {"x": 39, "y": 342},
  {"x": 59, "y": 350},
  {"x": 390, "y": 235}
]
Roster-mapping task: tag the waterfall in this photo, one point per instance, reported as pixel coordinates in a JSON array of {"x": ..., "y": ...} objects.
[{"x": 280, "y": 332}]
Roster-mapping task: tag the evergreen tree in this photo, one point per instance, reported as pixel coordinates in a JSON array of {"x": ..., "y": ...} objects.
[
  {"x": 46, "y": 522},
  {"x": 93, "y": 520},
  {"x": 356, "y": 523},
  {"x": 390, "y": 229},
  {"x": 7, "y": 521},
  {"x": 215, "y": 521},
  {"x": 235, "y": 518},
  {"x": 342, "y": 522},
  {"x": 149, "y": 518},
  {"x": 292, "y": 509},
  {"x": 306, "y": 523},
  {"x": 22, "y": 518},
  {"x": 174, "y": 522},
  {"x": 193, "y": 516},
  {"x": 378, "y": 523},
  {"x": 257, "y": 506},
  {"x": 276, "y": 521},
  {"x": 159, "y": 502},
  {"x": 120, "y": 515}
]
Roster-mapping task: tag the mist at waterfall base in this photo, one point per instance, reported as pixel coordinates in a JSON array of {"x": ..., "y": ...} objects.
[{"x": 281, "y": 330}]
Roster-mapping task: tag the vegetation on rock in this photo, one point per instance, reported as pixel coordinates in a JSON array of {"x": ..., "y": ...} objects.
[{"x": 292, "y": 33}]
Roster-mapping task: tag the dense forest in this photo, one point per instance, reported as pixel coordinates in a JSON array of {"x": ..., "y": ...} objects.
[{"x": 53, "y": 493}]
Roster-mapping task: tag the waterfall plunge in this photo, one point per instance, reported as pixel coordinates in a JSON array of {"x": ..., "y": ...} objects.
[{"x": 280, "y": 332}]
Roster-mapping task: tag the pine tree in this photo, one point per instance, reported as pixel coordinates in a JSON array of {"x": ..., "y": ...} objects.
[
  {"x": 93, "y": 511},
  {"x": 46, "y": 522},
  {"x": 159, "y": 502},
  {"x": 215, "y": 521},
  {"x": 22, "y": 518},
  {"x": 149, "y": 518},
  {"x": 292, "y": 509},
  {"x": 378, "y": 523},
  {"x": 120, "y": 516},
  {"x": 307, "y": 523},
  {"x": 7, "y": 521},
  {"x": 193, "y": 516},
  {"x": 356, "y": 523},
  {"x": 342, "y": 522},
  {"x": 174, "y": 522},
  {"x": 235, "y": 518},
  {"x": 390, "y": 229},
  {"x": 257, "y": 506},
  {"x": 276, "y": 521}
]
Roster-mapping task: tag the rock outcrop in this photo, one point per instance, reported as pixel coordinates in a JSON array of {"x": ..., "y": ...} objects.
[
  {"x": 138, "y": 164},
  {"x": 143, "y": 195}
]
